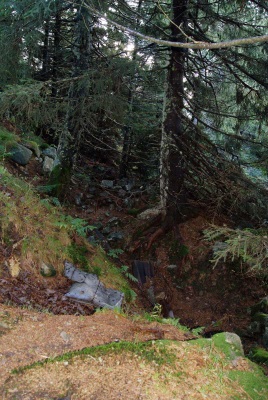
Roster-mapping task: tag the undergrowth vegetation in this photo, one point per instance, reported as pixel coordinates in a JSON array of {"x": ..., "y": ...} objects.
[
  {"x": 35, "y": 232},
  {"x": 7, "y": 140},
  {"x": 247, "y": 246},
  {"x": 28, "y": 227}
]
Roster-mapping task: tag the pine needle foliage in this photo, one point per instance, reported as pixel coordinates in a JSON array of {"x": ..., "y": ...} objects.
[
  {"x": 248, "y": 246},
  {"x": 29, "y": 105}
]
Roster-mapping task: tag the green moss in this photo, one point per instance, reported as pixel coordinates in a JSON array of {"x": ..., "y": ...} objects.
[
  {"x": 229, "y": 344},
  {"x": 230, "y": 347},
  {"x": 6, "y": 136},
  {"x": 254, "y": 383},
  {"x": 259, "y": 355},
  {"x": 149, "y": 351},
  {"x": 129, "y": 294},
  {"x": 33, "y": 146},
  {"x": 7, "y": 141},
  {"x": 111, "y": 275},
  {"x": 37, "y": 140}
]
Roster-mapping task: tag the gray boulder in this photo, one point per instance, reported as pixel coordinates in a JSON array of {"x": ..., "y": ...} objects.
[
  {"x": 229, "y": 343},
  {"x": 48, "y": 164},
  {"x": 32, "y": 146},
  {"x": 20, "y": 154},
  {"x": 89, "y": 289},
  {"x": 50, "y": 152}
]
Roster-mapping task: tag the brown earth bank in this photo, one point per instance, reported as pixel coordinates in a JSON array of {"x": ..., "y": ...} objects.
[{"x": 198, "y": 294}]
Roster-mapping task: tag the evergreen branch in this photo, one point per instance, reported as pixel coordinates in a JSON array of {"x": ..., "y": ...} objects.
[{"x": 194, "y": 45}]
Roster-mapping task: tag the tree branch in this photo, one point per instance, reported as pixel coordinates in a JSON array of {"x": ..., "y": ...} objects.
[{"x": 195, "y": 45}]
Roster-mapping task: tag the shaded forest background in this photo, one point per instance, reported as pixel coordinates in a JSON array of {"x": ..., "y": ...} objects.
[{"x": 191, "y": 123}]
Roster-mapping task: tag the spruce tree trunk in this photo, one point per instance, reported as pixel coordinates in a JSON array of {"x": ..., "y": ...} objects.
[
  {"x": 171, "y": 159},
  {"x": 127, "y": 129},
  {"x": 45, "y": 52},
  {"x": 69, "y": 139},
  {"x": 57, "y": 34}
]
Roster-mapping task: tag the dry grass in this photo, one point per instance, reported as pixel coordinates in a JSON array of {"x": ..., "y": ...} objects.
[
  {"x": 187, "y": 372},
  {"x": 28, "y": 227},
  {"x": 34, "y": 231}
]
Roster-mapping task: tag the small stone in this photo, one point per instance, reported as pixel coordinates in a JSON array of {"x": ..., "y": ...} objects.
[
  {"x": 78, "y": 199},
  {"x": 104, "y": 195},
  {"x": 15, "y": 390},
  {"x": 47, "y": 270},
  {"x": 172, "y": 267},
  {"x": 48, "y": 164},
  {"x": 50, "y": 152},
  {"x": 65, "y": 336},
  {"x": 107, "y": 184},
  {"x": 92, "y": 190},
  {"x": 115, "y": 236},
  {"x": 122, "y": 193},
  {"x": 4, "y": 325},
  {"x": 113, "y": 221},
  {"x": 106, "y": 230}
]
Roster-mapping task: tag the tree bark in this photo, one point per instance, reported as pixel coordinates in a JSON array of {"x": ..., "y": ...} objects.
[
  {"x": 70, "y": 136},
  {"x": 45, "y": 52},
  {"x": 171, "y": 159},
  {"x": 127, "y": 129},
  {"x": 56, "y": 48}
]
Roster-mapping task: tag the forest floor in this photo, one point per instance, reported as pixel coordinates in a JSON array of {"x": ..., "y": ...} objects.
[
  {"x": 199, "y": 296},
  {"x": 109, "y": 356}
]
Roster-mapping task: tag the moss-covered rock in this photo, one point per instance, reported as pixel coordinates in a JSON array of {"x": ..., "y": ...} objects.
[
  {"x": 20, "y": 154},
  {"x": 30, "y": 144},
  {"x": 229, "y": 343}
]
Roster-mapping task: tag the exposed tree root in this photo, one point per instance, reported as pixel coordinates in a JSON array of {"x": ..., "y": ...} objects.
[{"x": 159, "y": 232}]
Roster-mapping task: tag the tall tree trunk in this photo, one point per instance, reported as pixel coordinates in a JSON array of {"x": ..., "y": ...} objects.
[
  {"x": 127, "y": 129},
  {"x": 171, "y": 159},
  {"x": 69, "y": 139},
  {"x": 56, "y": 48},
  {"x": 45, "y": 52}
]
